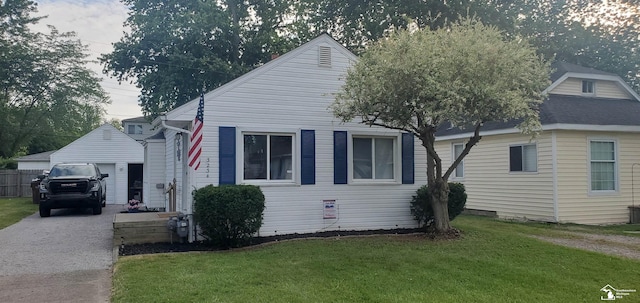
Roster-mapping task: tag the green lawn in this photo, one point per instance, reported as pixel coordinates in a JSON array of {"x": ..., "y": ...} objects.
[
  {"x": 12, "y": 210},
  {"x": 493, "y": 262}
]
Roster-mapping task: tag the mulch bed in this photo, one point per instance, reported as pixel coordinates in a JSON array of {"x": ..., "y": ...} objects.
[{"x": 155, "y": 248}]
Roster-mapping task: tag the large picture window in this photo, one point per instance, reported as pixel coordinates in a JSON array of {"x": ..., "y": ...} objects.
[
  {"x": 523, "y": 158},
  {"x": 602, "y": 160},
  {"x": 268, "y": 157},
  {"x": 373, "y": 158}
]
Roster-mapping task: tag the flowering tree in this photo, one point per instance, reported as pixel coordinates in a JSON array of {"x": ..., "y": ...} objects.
[{"x": 465, "y": 74}]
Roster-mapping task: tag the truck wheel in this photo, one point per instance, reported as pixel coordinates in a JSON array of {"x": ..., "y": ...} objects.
[
  {"x": 44, "y": 212},
  {"x": 97, "y": 209}
]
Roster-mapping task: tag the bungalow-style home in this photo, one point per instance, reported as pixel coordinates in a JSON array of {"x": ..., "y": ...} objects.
[
  {"x": 578, "y": 169},
  {"x": 272, "y": 127},
  {"x": 137, "y": 128},
  {"x": 116, "y": 154}
]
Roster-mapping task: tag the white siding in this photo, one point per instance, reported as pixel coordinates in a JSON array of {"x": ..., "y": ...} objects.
[
  {"x": 603, "y": 89},
  {"x": 154, "y": 174},
  {"x": 39, "y": 165},
  {"x": 112, "y": 181},
  {"x": 105, "y": 145},
  {"x": 175, "y": 155},
  {"x": 491, "y": 186},
  {"x": 287, "y": 96}
]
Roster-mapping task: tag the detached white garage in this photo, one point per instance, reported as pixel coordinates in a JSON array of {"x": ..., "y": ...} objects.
[{"x": 116, "y": 154}]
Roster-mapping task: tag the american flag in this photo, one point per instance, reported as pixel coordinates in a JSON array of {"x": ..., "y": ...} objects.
[{"x": 195, "y": 148}]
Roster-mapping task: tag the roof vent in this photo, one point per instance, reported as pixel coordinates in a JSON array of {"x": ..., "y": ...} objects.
[
  {"x": 106, "y": 134},
  {"x": 324, "y": 56}
]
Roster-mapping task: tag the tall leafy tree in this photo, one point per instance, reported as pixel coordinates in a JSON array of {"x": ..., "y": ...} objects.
[
  {"x": 357, "y": 24},
  {"x": 46, "y": 91},
  {"x": 466, "y": 74},
  {"x": 600, "y": 34},
  {"x": 176, "y": 48}
]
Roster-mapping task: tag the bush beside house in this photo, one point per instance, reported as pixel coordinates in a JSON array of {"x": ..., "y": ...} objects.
[
  {"x": 229, "y": 215},
  {"x": 421, "y": 204}
]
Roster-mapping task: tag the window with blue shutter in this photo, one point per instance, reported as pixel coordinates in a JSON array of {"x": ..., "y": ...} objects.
[
  {"x": 408, "y": 174},
  {"x": 340, "y": 157},
  {"x": 227, "y": 157},
  {"x": 308, "y": 157}
]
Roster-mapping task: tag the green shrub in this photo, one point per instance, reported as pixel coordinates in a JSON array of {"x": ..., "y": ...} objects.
[
  {"x": 421, "y": 203},
  {"x": 229, "y": 215},
  {"x": 8, "y": 163}
]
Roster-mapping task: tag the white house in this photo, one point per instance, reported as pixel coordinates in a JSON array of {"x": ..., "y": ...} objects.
[
  {"x": 116, "y": 154},
  {"x": 137, "y": 128},
  {"x": 584, "y": 167},
  {"x": 272, "y": 127}
]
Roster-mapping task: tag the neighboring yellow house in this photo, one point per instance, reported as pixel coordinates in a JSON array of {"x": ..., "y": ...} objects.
[{"x": 578, "y": 169}]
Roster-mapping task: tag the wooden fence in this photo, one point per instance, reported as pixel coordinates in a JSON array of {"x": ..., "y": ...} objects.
[{"x": 17, "y": 183}]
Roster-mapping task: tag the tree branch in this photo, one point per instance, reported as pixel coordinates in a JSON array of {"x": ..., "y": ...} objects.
[{"x": 472, "y": 141}]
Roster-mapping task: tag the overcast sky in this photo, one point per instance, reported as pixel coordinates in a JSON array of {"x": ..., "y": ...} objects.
[{"x": 98, "y": 24}]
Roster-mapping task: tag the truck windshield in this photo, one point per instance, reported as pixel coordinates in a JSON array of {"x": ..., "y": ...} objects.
[{"x": 72, "y": 170}]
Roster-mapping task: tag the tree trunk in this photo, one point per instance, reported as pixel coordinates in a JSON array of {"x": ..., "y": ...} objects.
[{"x": 439, "y": 191}]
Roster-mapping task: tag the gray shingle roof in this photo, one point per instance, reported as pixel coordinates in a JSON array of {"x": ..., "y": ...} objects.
[
  {"x": 560, "y": 68},
  {"x": 140, "y": 119},
  {"x": 158, "y": 135},
  {"x": 565, "y": 109},
  {"x": 45, "y": 156}
]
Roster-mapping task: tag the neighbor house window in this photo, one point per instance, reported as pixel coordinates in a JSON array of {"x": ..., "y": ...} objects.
[
  {"x": 602, "y": 160},
  {"x": 373, "y": 158},
  {"x": 587, "y": 87},
  {"x": 523, "y": 158},
  {"x": 134, "y": 129},
  {"x": 268, "y": 157},
  {"x": 457, "y": 150}
]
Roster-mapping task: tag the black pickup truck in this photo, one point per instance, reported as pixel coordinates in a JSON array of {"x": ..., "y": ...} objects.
[{"x": 73, "y": 185}]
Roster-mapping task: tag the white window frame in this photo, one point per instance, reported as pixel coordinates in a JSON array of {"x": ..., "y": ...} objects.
[
  {"x": 593, "y": 87},
  {"x": 455, "y": 176},
  {"x": 397, "y": 158},
  {"x": 295, "y": 166},
  {"x": 522, "y": 159},
  {"x": 616, "y": 174}
]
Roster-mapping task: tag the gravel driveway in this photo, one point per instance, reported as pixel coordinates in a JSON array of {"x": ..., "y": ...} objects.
[
  {"x": 616, "y": 245},
  {"x": 64, "y": 258}
]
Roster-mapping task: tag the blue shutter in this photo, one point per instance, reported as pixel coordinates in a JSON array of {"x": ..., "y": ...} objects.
[
  {"x": 340, "y": 157},
  {"x": 407, "y": 159},
  {"x": 227, "y": 151},
  {"x": 308, "y": 157}
]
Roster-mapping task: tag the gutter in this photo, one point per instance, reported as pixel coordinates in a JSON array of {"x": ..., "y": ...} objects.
[{"x": 163, "y": 120}]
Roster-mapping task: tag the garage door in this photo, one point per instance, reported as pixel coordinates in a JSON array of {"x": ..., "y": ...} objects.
[{"x": 111, "y": 181}]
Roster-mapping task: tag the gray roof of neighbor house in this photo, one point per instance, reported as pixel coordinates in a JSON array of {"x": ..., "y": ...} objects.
[
  {"x": 560, "y": 68},
  {"x": 569, "y": 109},
  {"x": 140, "y": 119},
  {"x": 45, "y": 156},
  {"x": 158, "y": 135}
]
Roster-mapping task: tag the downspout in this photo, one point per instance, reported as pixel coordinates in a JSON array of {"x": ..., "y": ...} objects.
[
  {"x": 192, "y": 235},
  {"x": 554, "y": 168}
]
